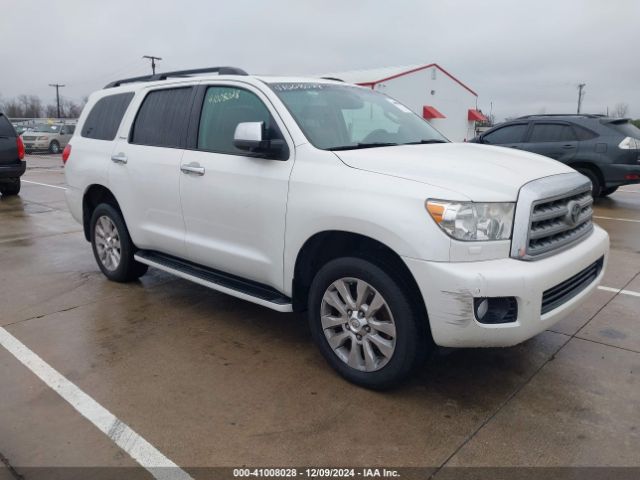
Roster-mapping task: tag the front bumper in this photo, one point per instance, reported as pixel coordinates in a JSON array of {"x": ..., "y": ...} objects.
[
  {"x": 36, "y": 145},
  {"x": 448, "y": 290},
  {"x": 13, "y": 170}
]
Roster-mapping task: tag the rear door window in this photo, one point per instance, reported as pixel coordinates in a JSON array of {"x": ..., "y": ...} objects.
[
  {"x": 6, "y": 129},
  {"x": 583, "y": 133},
  {"x": 104, "y": 119},
  {"x": 552, "y": 132},
  {"x": 162, "y": 118},
  {"x": 508, "y": 134}
]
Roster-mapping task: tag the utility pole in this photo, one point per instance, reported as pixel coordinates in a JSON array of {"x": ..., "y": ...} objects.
[
  {"x": 580, "y": 94},
  {"x": 153, "y": 62},
  {"x": 57, "y": 87}
]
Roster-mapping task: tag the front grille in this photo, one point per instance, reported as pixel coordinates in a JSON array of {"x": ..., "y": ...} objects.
[
  {"x": 565, "y": 291},
  {"x": 559, "y": 222},
  {"x": 28, "y": 138}
]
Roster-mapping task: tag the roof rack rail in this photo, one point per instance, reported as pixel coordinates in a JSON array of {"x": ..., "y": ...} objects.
[
  {"x": 590, "y": 115},
  {"x": 178, "y": 73}
]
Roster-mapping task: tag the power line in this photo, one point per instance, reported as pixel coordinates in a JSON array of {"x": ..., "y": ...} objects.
[
  {"x": 153, "y": 62},
  {"x": 580, "y": 95},
  {"x": 57, "y": 87}
]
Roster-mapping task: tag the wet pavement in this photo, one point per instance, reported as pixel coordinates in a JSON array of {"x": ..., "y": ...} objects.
[{"x": 210, "y": 380}]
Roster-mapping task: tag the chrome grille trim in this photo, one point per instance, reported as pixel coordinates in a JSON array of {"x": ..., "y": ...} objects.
[{"x": 539, "y": 225}]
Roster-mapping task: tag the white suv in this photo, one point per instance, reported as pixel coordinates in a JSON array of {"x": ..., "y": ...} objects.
[{"x": 312, "y": 194}]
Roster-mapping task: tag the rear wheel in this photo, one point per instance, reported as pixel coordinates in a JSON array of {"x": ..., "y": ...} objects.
[
  {"x": 112, "y": 245},
  {"x": 54, "y": 147},
  {"x": 596, "y": 185},
  {"x": 10, "y": 186},
  {"x": 365, "y": 324},
  {"x": 608, "y": 191}
]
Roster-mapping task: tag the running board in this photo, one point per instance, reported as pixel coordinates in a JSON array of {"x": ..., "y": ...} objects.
[{"x": 216, "y": 280}]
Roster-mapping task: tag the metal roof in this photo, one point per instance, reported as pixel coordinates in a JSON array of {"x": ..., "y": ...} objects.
[{"x": 378, "y": 75}]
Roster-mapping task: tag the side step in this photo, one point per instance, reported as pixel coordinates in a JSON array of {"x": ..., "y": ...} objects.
[{"x": 223, "y": 282}]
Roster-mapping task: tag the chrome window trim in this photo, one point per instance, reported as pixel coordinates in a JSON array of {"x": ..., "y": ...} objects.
[{"x": 543, "y": 189}]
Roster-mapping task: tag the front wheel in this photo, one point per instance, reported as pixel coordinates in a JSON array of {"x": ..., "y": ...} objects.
[
  {"x": 10, "y": 187},
  {"x": 112, "y": 245},
  {"x": 54, "y": 147},
  {"x": 365, "y": 323}
]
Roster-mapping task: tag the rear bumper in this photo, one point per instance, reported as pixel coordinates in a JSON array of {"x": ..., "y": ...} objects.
[
  {"x": 618, "y": 174},
  {"x": 449, "y": 289},
  {"x": 13, "y": 170}
]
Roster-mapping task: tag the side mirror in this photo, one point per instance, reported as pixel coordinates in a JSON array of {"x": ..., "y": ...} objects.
[{"x": 252, "y": 137}]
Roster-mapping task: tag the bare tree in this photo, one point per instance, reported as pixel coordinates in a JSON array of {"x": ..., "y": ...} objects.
[
  {"x": 620, "y": 110},
  {"x": 13, "y": 109}
]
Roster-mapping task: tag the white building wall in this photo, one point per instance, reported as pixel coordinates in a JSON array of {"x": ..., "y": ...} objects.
[{"x": 434, "y": 88}]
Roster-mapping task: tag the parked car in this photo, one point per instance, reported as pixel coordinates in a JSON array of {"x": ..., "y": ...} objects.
[
  {"x": 306, "y": 194},
  {"x": 604, "y": 149},
  {"x": 20, "y": 129},
  {"x": 48, "y": 137},
  {"x": 12, "y": 163}
]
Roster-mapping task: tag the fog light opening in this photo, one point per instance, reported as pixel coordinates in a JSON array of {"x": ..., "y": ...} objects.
[{"x": 495, "y": 310}]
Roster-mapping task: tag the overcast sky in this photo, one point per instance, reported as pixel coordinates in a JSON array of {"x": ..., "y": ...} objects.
[{"x": 525, "y": 57}]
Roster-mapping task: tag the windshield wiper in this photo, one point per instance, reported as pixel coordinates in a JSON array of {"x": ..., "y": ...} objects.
[
  {"x": 363, "y": 145},
  {"x": 425, "y": 142}
]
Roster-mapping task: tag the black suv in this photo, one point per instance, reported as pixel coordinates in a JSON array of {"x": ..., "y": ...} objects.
[
  {"x": 605, "y": 149},
  {"x": 12, "y": 164}
]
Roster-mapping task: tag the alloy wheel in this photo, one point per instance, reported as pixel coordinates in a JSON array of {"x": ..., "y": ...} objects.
[
  {"x": 107, "y": 241},
  {"x": 358, "y": 324}
]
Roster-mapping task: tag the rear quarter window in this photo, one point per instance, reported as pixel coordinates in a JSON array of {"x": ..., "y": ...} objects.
[
  {"x": 105, "y": 117},
  {"x": 6, "y": 129}
]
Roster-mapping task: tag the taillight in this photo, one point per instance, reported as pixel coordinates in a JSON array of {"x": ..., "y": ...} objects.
[
  {"x": 20, "y": 145},
  {"x": 66, "y": 152}
]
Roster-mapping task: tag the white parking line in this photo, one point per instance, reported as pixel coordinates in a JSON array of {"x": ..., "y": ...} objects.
[
  {"x": 121, "y": 434},
  {"x": 618, "y": 290},
  {"x": 618, "y": 219},
  {"x": 44, "y": 184}
]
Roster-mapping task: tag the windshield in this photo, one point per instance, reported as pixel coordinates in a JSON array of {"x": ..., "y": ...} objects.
[
  {"x": 46, "y": 128},
  {"x": 343, "y": 117}
]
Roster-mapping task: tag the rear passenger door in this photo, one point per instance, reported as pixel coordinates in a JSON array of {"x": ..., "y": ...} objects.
[
  {"x": 234, "y": 208},
  {"x": 555, "y": 140},
  {"x": 144, "y": 172}
]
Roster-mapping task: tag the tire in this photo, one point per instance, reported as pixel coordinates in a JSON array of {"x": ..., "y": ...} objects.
[
  {"x": 10, "y": 187},
  {"x": 608, "y": 191},
  {"x": 54, "y": 147},
  {"x": 394, "y": 336},
  {"x": 595, "y": 181},
  {"x": 112, "y": 245}
]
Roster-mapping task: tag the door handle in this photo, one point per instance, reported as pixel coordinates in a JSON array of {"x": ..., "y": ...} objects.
[
  {"x": 119, "y": 158},
  {"x": 568, "y": 146},
  {"x": 194, "y": 168}
]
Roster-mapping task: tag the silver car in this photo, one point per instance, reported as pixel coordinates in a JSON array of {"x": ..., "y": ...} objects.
[{"x": 48, "y": 137}]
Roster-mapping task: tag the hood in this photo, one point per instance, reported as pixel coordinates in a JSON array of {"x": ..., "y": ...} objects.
[{"x": 475, "y": 172}]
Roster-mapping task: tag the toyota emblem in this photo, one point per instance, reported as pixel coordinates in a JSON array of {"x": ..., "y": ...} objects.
[{"x": 573, "y": 214}]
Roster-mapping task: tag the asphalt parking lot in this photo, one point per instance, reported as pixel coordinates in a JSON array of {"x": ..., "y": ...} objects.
[{"x": 211, "y": 381}]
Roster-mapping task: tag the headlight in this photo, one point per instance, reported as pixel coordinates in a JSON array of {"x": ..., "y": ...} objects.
[
  {"x": 473, "y": 221},
  {"x": 41, "y": 138}
]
